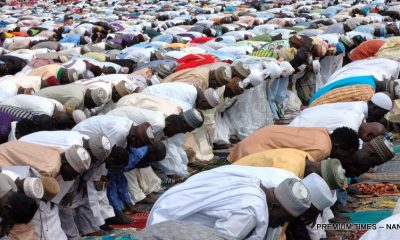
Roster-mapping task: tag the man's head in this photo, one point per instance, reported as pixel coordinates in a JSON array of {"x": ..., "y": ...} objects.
[
  {"x": 173, "y": 125},
  {"x": 62, "y": 120},
  {"x": 344, "y": 143},
  {"x": 17, "y": 208},
  {"x": 207, "y": 99},
  {"x": 287, "y": 201},
  {"x": 74, "y": 161},
  {"x": 192, "y": 119},
  {"x": 369, "y": 131},
  {"x": 67, "y": 75},
  {"x": 24, "y": 127},
  {"x": 333, "y": 173},
  {"x": 140, "y": 135},
  {"x": 117, "y": 159},
  {"x": 121, "y": 89},
  {"x": 374, "y": 152},
  {"x": 321, "y": 196},
  {"x": 95, "y": 98},
  {"x": 157, "y": 152},
  {"x": 99, "y": 147},
  {"x": 234, "y": 88},
  {"x": 219, "y": 77},
  {"x": 378, "y": 106}
]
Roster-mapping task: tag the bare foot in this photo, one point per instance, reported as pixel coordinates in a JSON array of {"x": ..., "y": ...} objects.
[{"x": 137, "y": 209}]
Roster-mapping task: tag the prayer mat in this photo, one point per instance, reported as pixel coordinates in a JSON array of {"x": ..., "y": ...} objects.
[
  {"x": 373, "y": 203},
  {"x": 118, "y": 234},
  {"x": 369, "y": 216},
  {"x": 378, "y": 189},
  {"x": 217, "y": 162},
  {"x": 139, "y": 221}
]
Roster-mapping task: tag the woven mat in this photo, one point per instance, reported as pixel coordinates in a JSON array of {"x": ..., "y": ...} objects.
[{"x": 118, "y": 234}]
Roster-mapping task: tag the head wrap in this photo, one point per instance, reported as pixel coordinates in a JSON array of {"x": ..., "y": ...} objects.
[
  {"x": 212, "y": 97},
  {"x": 78, "y": 116},
  {"x": 163, "y": 71},
  {"x": 333, "y": 173},
  {"x": 340, "y": 48},
  {"x": 321, "y": 194},
  {"x": 393, "y": 88},
  {"x": 293, "y": 196},
  {"x": 33, "y": 187},
  {"x": 52, "y": 81},
  {"x": 99, "y": 96},
  {"x": 238, "y": 70},
  {"x": 382, "y": 100},
  {"x": 193, "y": 118},
  {"x": 100, "y": 147},
  {"x": 78, "y": 158},
  {"x": 383, "y": 148},
  {"x": 51, "y": 187}
]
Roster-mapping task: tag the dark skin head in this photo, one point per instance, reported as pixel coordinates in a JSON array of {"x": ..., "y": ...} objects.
[
  {"x": 117, "y": 160},
  {"x": 156, "y": 152},
  {"x": 67, "y": 172},
  {"x": 232, "y": 89},
  {"x": 369, "y": 131},
  {"x": 361, "y": 161},
  {"x": 88, "y": 101},
  {"x": 62, "y": 120},
  {"x": 375, "y": 113},
  {"x": 64, "y": 79},
  {"x": 173, "y": 125},
  {"x": 345, "y": 143},
  {"x": 277, "y": 214},
  {"x": 201, "y": 101},
  {"x": 27, "y": 91},
  {"x": 135, "y": 139},
  {"x": 115, "y": 95}
]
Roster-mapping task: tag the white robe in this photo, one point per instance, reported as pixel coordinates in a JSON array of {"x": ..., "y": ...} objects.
[
  {"x": 228, "y": 199},
  {"x": 183, "y": 92},
  {"x": 380, "y": 68},
  {"x": 328, "y": 118},
  {"x": 113, "y": 127},
  {"x": 382, "y": 232},
  {"x": 141, "y": 115},
  {"x": 59, "y": 139}
]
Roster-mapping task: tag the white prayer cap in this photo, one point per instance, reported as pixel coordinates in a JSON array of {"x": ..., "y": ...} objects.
[
  {"x": 78, "y": 158},
  {"x": 255, "y": 78},
  {"x": 382, "y": 100},
  {"x": 99, "y": 96},
  {"x": 293, "y": 196},
  {"x": 321, "y": 194},
  {"x": 33, "y": 187},
  {"x": 212, "y": 97},
  {"x": 100, "y": 147},
  {"x": 78, "y": 116}
]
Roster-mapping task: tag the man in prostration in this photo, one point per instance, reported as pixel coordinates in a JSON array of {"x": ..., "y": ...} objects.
[
  {"x": 218, "y": 204},
  {"x": 318, "y": 142}
]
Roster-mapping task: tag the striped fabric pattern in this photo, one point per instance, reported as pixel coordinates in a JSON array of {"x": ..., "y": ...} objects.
[
  {"x": 17, "y": 112},
  {"x": 362, "y": 92}
]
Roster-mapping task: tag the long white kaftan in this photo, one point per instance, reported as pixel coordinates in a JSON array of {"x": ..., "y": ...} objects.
[
  {"x": 228, "y": 199},
  {"x": 113, "y": 127},
  {"x": 59, "y": 139}
]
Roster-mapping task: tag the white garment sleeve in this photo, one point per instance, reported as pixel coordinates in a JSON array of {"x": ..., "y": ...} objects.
[{"x": 238, "y": 225}]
